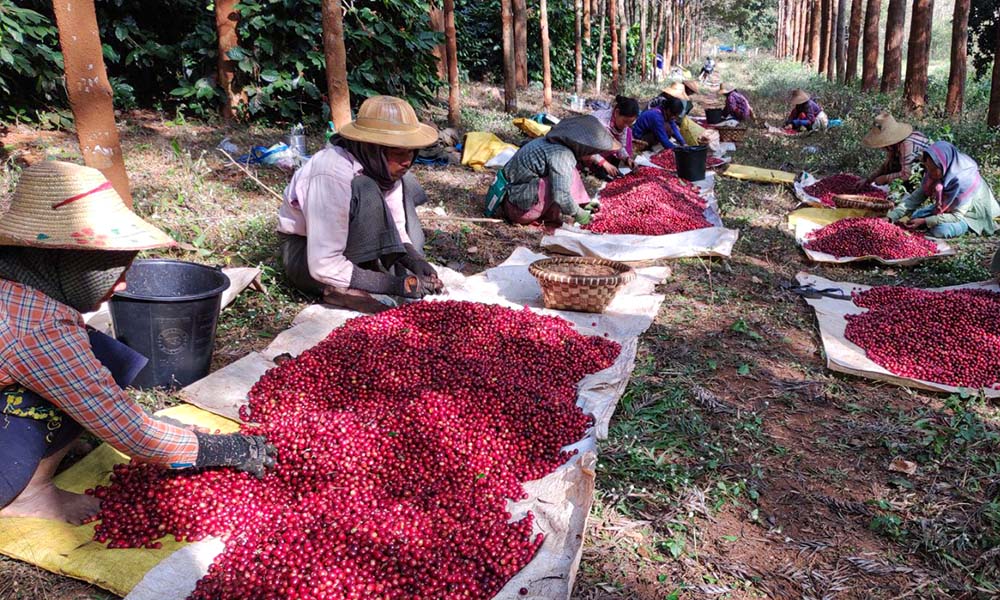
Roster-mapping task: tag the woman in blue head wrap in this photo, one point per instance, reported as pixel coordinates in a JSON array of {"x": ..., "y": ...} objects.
[{"x": 960, "y": 199}]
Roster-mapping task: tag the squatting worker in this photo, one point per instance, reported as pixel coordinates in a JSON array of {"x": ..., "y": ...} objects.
[
  {"x": 660, "y": 125},
  {"x": 542, "y": 183},
  {"x": 904, "y": 149},
  {"x": 679, "y": 91},
  {"x": 806, "y": 112},
  {"x": 349, "y": 223},
  {"x": 618, "y": 120},
  {"x": 737, "y": 106},
  {"x": 960, "y": 199},
  {"x": 65, "y": 244}
]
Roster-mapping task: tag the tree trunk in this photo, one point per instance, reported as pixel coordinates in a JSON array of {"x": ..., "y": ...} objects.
[
  {"x": 802, "y": 29},
  {"x": 959, "y": 58},
  {"x": 815, "y": 31},
  {"x": 226, "y": 18},
  {"x": 824, "y": 36},
  {"x": 89, "y": 91},
  {"x": 679, "y": 35},
  {"x": 543, "y": 25},
  {"x": 993, "y": 117},
  {"x": 869, "y": 67},
  {"x": 440, "y": 51},
  {"x": 598, "y": 9},
  {"x": 831, "y": 44},
  {"x": 643, "y": 48},
  {"x": 892, "y": 60},
  {"x": 656, "y": 16},
  {"x": 779, "y": 46},
  {"x": 668, "y": 37},
  {"x": 842, "y": 40},
  {"x": 613, "y": 28},
  {"x": 623, "y": 25},
  {"x": 789, "y": 29},
  {"x": 854, "y": 41},
  {"x": 918, "y": 56},
  {"x": 586, "y": 22},
  {"x": 521, "y": 42},
  {"x": 338, "y": 94},
  {"x": 509, "y": 64},
  {"x": 578, "y": 50},
  {"x": 451, "y": 41}
]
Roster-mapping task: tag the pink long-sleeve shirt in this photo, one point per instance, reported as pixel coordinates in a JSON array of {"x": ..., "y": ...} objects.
[{"x": 317, "y": 206}]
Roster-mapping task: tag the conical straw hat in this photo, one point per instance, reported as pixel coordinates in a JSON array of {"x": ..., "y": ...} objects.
[
  {"x": 676, "y": 90},
  {"x": 692, "y": 84},
  {"x": 886, "y": 131},
  {"x": 798, "y": 96},
  {"x": 726, "y": 88},
  {"x": 64, "y": 205},
  {"x": 389, "y": 121}
]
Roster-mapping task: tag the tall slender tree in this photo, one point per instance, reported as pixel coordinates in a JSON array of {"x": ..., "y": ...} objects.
[
  {"x": 959, "y": 57},
  {"x": 668, "y": 37},
  {"x": 226, "y": 18},
  {"x": 831, "y": 45},
  {"x": 440, "y": 51},
  {"x": 918, "y": 56},
  {"x": 802, "y": 36},
  {"x": 842, "y": 17},
  {"x": 789, "y": 28},
  {"x": 578, "y": 50},
  {"x": 451, "y": 43},
  {"x": 543, "y": 25},
  {"x": 586, "y": 22},
  {"x": 824, "y": 37},
  {"x": 521, "y": 42},
  {"x": 892, "y": 61},
  {"x": 89, "y": 91},
  {"x": 599, "y": 9},
  {"x": 854, "y": 40},
  {"x": 643, "y": 38},
  {"x": 616, "y": 82},
  {"x": 869, "y": 67},
  {"x": 623, "y": 26},
  {"x": 815, "y": 31},
  {"x": 337, "y": 91},
  {"x": 509, "y": 66}
]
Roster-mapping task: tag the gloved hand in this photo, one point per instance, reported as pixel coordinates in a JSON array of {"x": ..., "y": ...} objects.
[
  {"x": 583, "y": 217},
  {"x": 896, "y": 214},
  {"x": 416, "y": 264},
  {"x": 249, "y": 453},
  {"x": 416, "y": 286},
  {"x": 593, "y": 206}
]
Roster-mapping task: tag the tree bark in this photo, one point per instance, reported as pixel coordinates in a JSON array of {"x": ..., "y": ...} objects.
[
  {"x": 918, "y": 56},
  {"x": 959, "y": 58},
  {"x": 440, "y": 51},
  {"x": 643, "y": 48},
  {"x": 598, "y": 9},
  {"x": 668, "y": 37},
  {"x": 779, "y": 46},
  {"x": 815, "y": 27},
  {"x": 802, "y": 30},
  {"x": 578, "y": 50},
  {"x": 226, "y": 18},
  {"x": 842, "y": 40},
  {"x": 338, "y": 94},
  {"x": 543, "y": 25},
  {"x": 623, "y": 25},
  {"x": 993, "y": 117},
  {"x": 586, "y": 22},
  {"x": 831, "y": 43},
  {"x": 509, "y": 66},
  {"x": 789, "y": 28},
  {"x": 854, "y": 40},
  {"x": 521, "y": 42},
  {"x": 824, "y": 36},
  {"x": 869, "y": 67},
  {"x": 613, "y": 28},
  {"x": 892, "y": 60},
  {"x": 89, "y": 91},
  {"x": 451, "y": 41}
]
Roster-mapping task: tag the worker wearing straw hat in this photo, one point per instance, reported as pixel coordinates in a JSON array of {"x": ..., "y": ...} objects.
[
  {"x": 904, "y": 148},
  {"x": 676, "y": 90},
  {"x": 65, "y": 244},
  {"x": 349, "y": 225},
  {"x": 737, "y": 107},
  {"x": 806, "y": 112}
]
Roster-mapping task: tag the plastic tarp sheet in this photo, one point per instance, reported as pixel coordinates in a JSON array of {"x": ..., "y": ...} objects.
[
  {"x": 709, "y": 241},
  {"x": 560, "y": 501},
  {"x": 805, "y": 220},
  {"x": 844, "y": 356},
  {"x": 482, "y": 147}
]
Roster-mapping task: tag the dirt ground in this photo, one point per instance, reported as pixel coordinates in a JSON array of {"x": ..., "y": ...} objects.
[{"x": 737, "y": 465}]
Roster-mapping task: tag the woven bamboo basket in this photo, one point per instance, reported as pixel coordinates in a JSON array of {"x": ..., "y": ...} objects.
[
  {"x": 580, "y": 284},
  {"x": 735, "y": 135},
  {"x": 862, "y": 202}
]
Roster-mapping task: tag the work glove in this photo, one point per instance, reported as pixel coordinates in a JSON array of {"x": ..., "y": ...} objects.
[
  {"x": 583, "y": 216},
  {"x": 416, "y": 264},
  {"x": 593, "y": 206},
  {"x": 896, "y": 214},
  {"x": 416, "y": 286},
  {"x": 249, "y": 453}
]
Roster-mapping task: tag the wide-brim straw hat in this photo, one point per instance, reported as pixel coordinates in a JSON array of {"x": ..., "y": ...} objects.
[
  {"x": 726, "y": 88},
  {"x": 691, "y": 84},
  {"x": 798, "y": 96},
  {"x": 676, "y": 90},
  {"x": 886, "y": 131},
  {"x": 64, "y": 205},
  {"x": 389, "y": 121}
]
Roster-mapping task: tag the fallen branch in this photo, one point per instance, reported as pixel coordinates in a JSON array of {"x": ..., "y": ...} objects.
[{"x": 251, "y": 175}]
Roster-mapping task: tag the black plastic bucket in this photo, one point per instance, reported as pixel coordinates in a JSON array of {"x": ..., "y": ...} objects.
[
  {"x": 713, "y": 115},
  {"x": 168, "y": 312},
  {"x": 691, "y": 162}
]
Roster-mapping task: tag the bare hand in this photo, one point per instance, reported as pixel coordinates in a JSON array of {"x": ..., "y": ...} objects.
[
  {"x": 611, "y": 170},
  {"x": 916, "y": 223}
]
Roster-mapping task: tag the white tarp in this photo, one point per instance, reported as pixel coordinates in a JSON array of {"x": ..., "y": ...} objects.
[
  {"x": 560, "y": 501},
  {"x": 844, "y": 356}
]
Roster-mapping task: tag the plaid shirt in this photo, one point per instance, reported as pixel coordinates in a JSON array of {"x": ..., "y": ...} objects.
[
  {"x": 812, "y": 110},
  {"x": 44, "y": 347},
  {"x": 737, "y": 106}
]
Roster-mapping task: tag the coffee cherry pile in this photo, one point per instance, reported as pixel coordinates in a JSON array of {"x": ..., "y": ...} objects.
[
  {"x": 400, "y": 439},
  {"x": 667, "y": 160},
  {"x": 869, "y": 236},
  {"x": 950, "y": 337},
  {"x": 842, "y": 183},
  {"x": 649, "y": 201}
]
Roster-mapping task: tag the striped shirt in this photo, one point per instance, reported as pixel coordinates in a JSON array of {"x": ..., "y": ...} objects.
[{"x": 44, "y": 347}]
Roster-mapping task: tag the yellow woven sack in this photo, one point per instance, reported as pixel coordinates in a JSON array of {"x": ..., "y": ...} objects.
[
  {"x": 531, "y": 128},
  {"x": 480, "y": 147},
  {"x": 759, "y": 175}
]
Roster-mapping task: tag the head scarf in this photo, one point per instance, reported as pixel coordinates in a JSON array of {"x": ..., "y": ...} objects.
[
  {"x": 79, "y": 279},
  {"x": 960, "y": 177},
  {"x": 372, "y": 159},
  {"x": 584, "y": 135}
]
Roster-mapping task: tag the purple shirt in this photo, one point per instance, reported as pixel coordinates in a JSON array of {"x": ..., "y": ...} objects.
[{"x": 737, "y": 106}]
